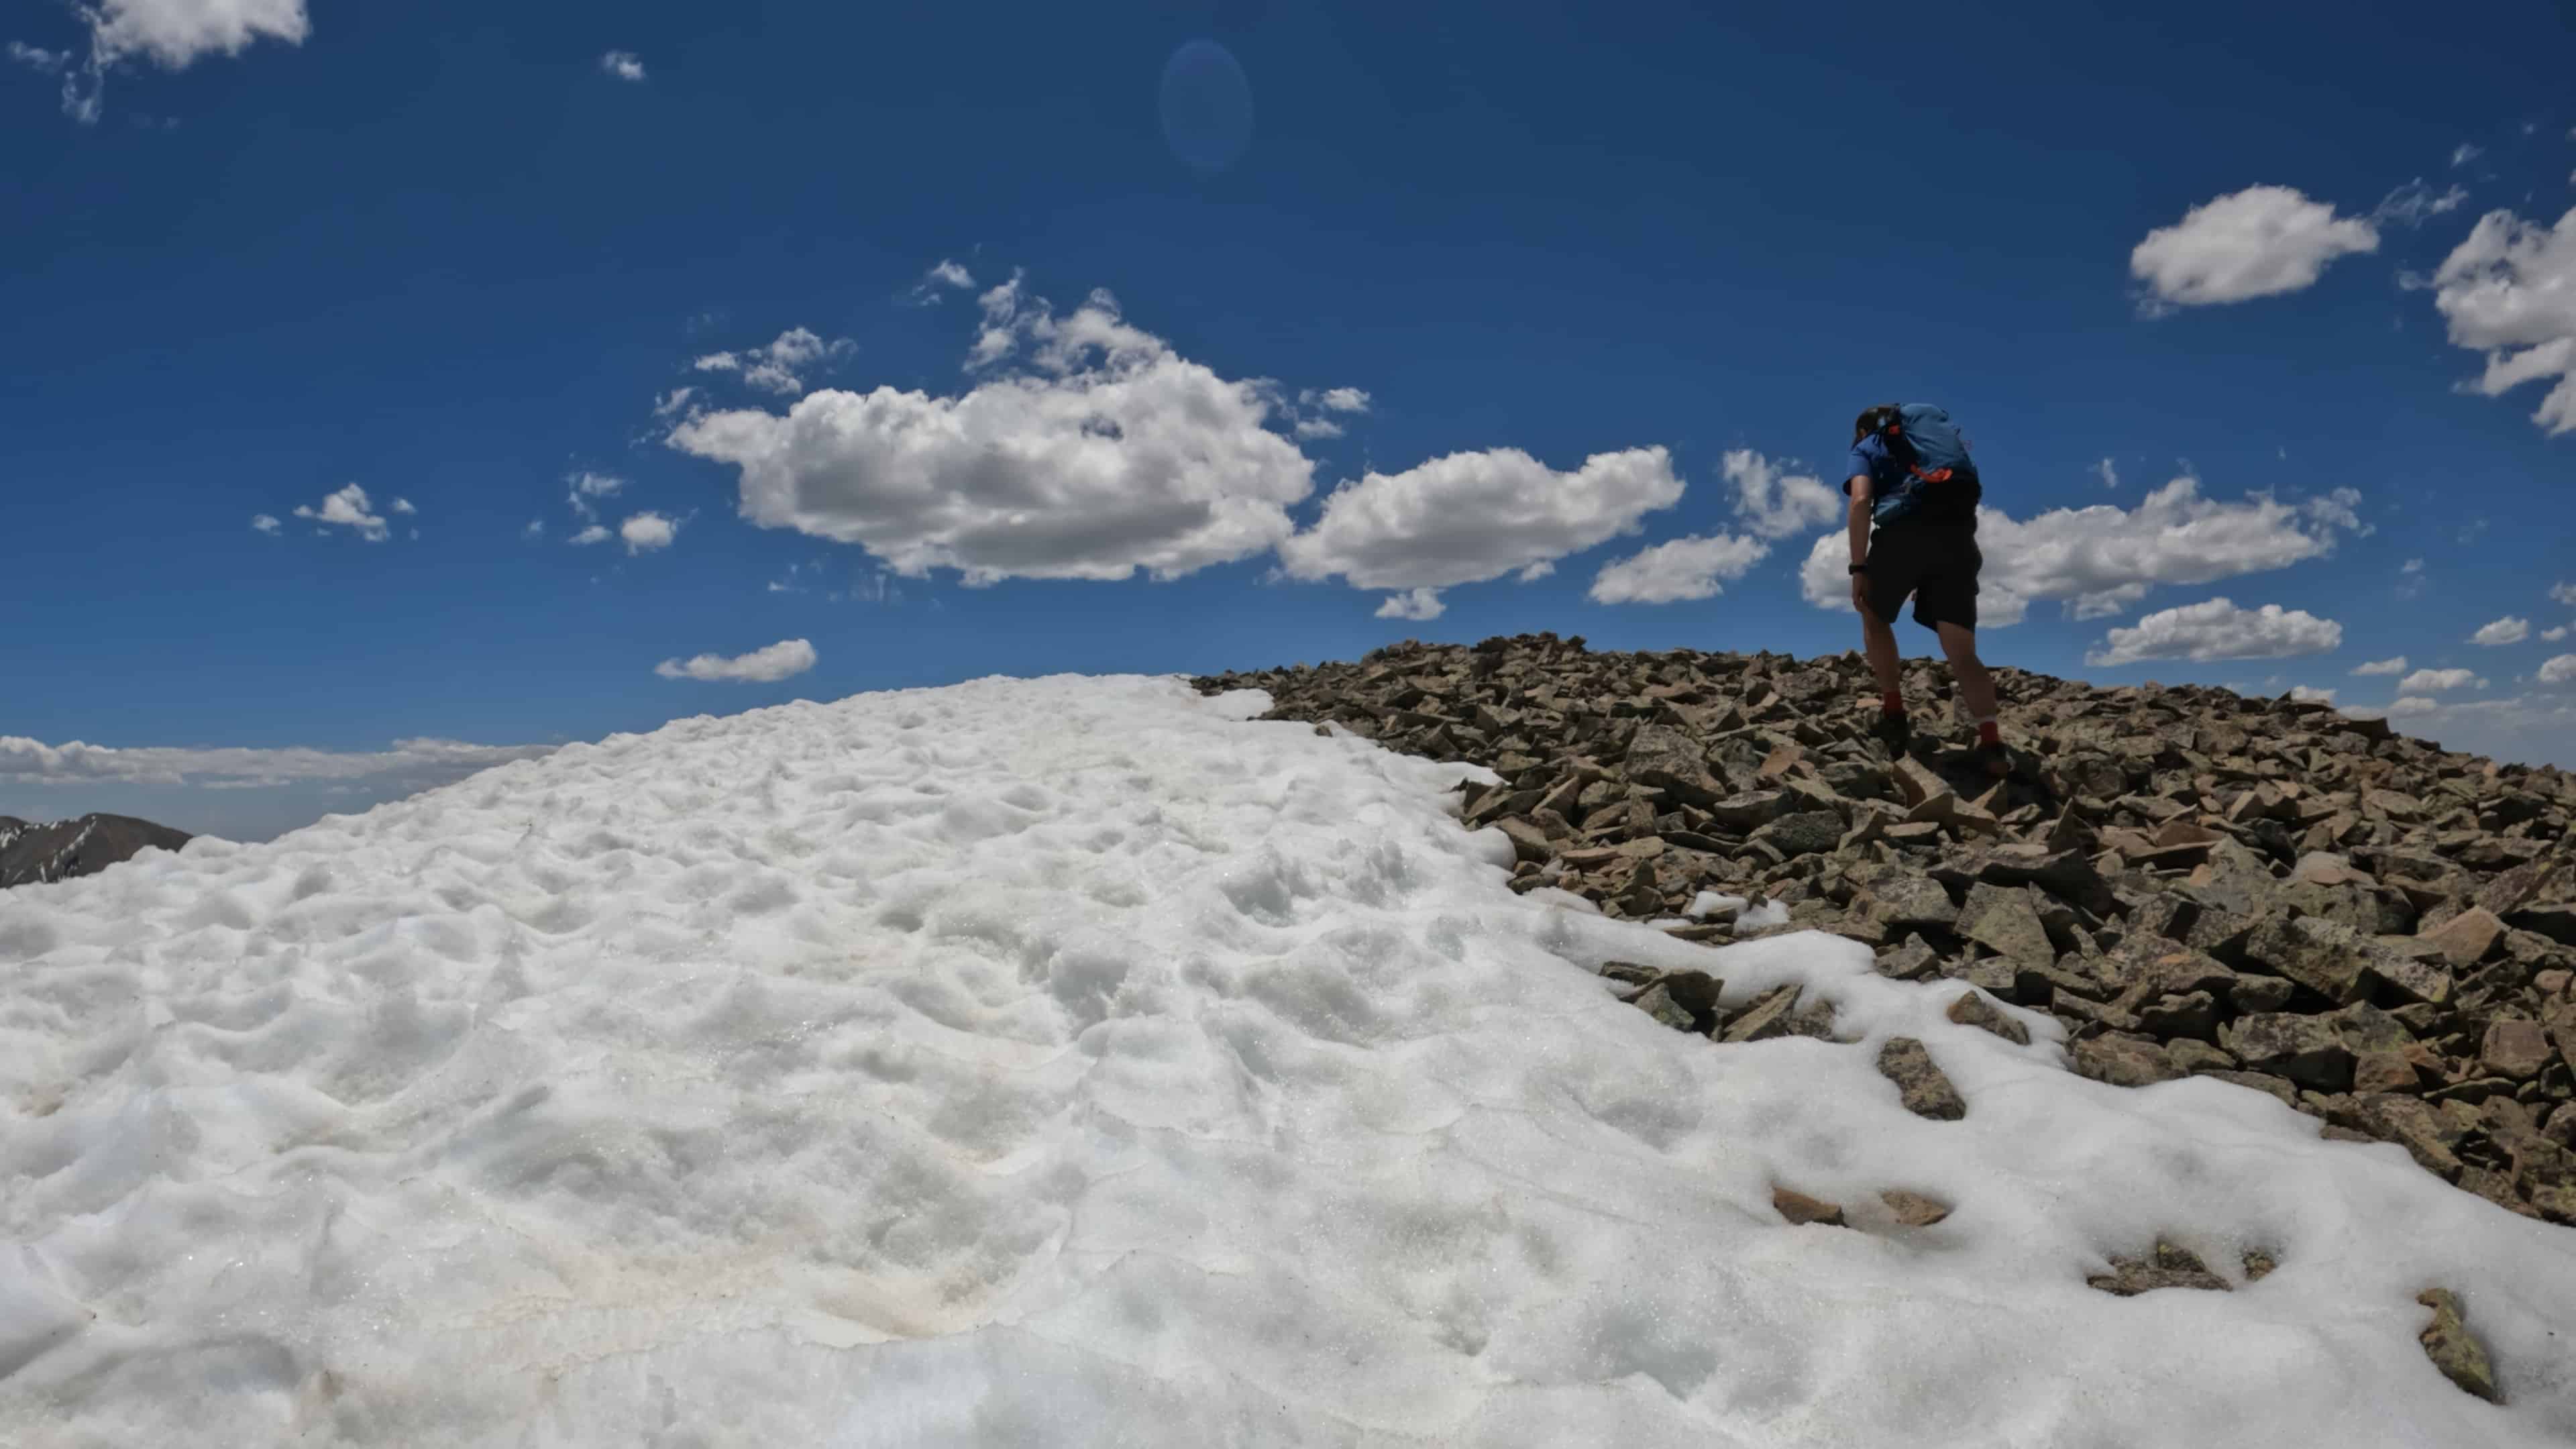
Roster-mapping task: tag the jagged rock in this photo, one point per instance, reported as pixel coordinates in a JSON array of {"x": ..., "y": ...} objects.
[
  {"x": 2280, "y": 1087},
  {"x": 2123, "y": 1060},
  {"x": 2514, "y": 1048},
  {"x": 2067, "y": 874},
  {"x": 1749, "y": 811},
  {"x": 1808, "y": 832},
  {"x": 1529, "y": 842},
  {"x": 1766, "y": 1017},
  {"x": 1920, "y": 1083},
  {"x": 2191, "y": 1014},
  {"x": 2303, "y": 1048},
  {"x": 2254, "y": 994},
  {"x": 2555, "y": 919},
  {"x": 2515, "y": 888},
  {"x": 1657, "y": 1001},
  {"x": 1801, "y": 1209},
  {"x": 2002, "y": 919},
  {"x": 1911, "y": 903},
  {"x": 2465, "y": 939},
  {"x": 1973, "y": 1009},
  {"x": 1668, "y": 760},
  {"x": 2454, "y": 1350},
  {"x": 2426, "y": 1133},
  {"x": 2168, "y": 1267},
  {"x": 2259, "y": 1264},
  {"x": 1909, "y": 962},
  {"x": 2323, "y": 956},
  {"x": 2383, "y": 1071}
]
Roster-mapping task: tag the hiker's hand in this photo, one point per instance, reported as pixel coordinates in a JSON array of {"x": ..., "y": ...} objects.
[{"x": 1860, "y": 593}]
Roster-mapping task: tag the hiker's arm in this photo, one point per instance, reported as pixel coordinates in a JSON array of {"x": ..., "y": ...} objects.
[{"x": 1858, "y": 488}]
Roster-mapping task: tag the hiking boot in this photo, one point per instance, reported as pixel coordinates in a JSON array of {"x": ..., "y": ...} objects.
[
  {"x": 1893, "y": 730},
  {"x": 1993, "y": 758}
]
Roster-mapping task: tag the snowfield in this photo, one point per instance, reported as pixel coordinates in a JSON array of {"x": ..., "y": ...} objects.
[{"x": 1069, "y": 1061}]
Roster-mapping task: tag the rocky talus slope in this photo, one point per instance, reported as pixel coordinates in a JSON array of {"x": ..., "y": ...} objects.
[{"x": 2378, "y": 932}]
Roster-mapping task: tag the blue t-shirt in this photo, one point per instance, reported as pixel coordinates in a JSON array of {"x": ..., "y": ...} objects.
[{"x": 1895, "y": 493}]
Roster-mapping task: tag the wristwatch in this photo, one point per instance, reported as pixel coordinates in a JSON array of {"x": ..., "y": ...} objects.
[{"x": 1860, "y": 568}]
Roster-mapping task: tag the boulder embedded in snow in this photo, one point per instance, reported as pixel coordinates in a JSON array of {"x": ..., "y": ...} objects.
[
  {"x": 1920, "y": 1082},
  {"x": 1914, "y": 1209},
  {"x": 1765, "y": 1017},
  {"x": 2454, "y": 1350},
  {"x": 1801, "y": 1209},
  {"x": 2167, "y": 1267},
  {"x": 1973, "y": 1009}
]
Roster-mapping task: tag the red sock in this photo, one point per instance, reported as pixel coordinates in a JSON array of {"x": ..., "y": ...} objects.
[
  {"x": 1892, "y": 702},
  {"x": 1988, "y": 733}
]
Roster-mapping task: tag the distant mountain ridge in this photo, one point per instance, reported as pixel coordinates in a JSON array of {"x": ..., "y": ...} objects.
[{"x": 32, "y": 854}]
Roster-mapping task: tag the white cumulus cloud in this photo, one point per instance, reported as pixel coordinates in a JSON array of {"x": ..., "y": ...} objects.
[
  {"x": 2258, "y": 242},
  {"x": 349, "y": 508},
  {"x": 2311, "y": 695},
  {"x": 175, "y": 33},
  {"x": 783, "y": 660},
  {"x": 1107, "y": 453},
  {"x": 2560, "y": 669},
  {"x": 1412, "y": 604},
  {"x": 172, "y": 34},
  {"x": 2218, "y": 629},
  {"x": 2507, "y": 630},
  {"x": 1468, "y": 517},
  {"x": 1336, "y": 399},
  {"x": 2412, "y": 704},
  {"x": 2383, "y": 666},
  {"x": 1685, "y": 568},
  {"x": 588, "y": 536},
  {"x": 1773, "y": 503},
  {"x": 2554, "y": 635},
  {"x": 2109, "y": 474},
  {"x": 623, "y": 64},
  {"x": 2563, "y": 593},
  {"x": 2104, "y": 559},
  {"x": 2509, "y": 291},
  {"x": 2465, "y": 153},
  {"x": 266, "y": 523},
  {"x": 2439, "y": 681},
  {"x": 646, "y": 532}
]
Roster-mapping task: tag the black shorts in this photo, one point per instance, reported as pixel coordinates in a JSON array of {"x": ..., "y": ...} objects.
[{"x": 1937, "y": 563}]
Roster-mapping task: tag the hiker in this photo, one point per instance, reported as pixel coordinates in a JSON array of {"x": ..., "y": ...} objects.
[{"x": 1910, "y": 475}]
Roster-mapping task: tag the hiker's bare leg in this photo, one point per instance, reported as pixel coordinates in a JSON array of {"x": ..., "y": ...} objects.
[
  {"x": 1976, "y": 686},
  {"x": 1878, "y": 641}
]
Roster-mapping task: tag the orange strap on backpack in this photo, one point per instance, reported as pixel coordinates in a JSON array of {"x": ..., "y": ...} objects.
[{"x": 1937, "y": 475}]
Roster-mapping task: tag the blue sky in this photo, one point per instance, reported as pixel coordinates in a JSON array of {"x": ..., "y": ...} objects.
[{"x": 1441, "y": 311}]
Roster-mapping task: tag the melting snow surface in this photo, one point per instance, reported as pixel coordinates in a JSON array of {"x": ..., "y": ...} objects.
[{"x": 1069, "y": 1062}]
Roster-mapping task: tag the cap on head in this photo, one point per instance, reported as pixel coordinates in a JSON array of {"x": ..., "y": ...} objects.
[{"x": 1872, "y": 419}]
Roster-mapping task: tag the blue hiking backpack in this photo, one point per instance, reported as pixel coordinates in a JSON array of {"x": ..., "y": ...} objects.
[{"x": 1922, "y": 436}]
